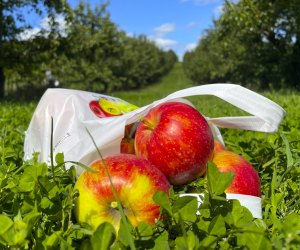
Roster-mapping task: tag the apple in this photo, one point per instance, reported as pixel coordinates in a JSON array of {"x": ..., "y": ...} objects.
[
  {"x": 127, "y": 146},
  {"x": 246, "y": 179},
  {"x": 218, "y": 146},
  {"x": 176, "y": 138},
  {"x": 135, "y": 180},
  {"x": 127, "y": 143}
]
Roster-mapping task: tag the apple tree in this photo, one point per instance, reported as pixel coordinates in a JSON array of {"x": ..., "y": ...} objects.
[
  {"x": 91, "y": 49},
  {"x": 13, "y": 23},
  {"x": 255, "y": 42}
]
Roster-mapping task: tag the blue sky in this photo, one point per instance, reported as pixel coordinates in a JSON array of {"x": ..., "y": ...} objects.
[{"x": 171, "y": 24}]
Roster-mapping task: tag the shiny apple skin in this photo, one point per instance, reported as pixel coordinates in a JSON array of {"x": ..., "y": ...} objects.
[
  {"x": 218, "y": 146},
  {"x": 177, "y": 139},
  {"x": 246, "y": 180},
  {"x": 135, "y": 179}
]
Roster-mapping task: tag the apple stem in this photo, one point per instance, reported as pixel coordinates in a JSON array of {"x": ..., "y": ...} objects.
[{"x": 147, "y": 123}]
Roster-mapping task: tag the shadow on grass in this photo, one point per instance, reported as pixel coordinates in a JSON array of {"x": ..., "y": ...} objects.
[{"x": 26, "y": 94}]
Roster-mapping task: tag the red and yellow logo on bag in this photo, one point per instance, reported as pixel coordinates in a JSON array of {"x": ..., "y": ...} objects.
[{"x": 105, "y": 107}]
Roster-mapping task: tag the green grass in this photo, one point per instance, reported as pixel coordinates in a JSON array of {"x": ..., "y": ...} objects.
[
  {"x": 36, "y": 202},
  {"x": 174, "y": 81}
]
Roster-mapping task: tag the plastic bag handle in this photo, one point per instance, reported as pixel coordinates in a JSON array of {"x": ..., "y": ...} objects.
[{"x": 267, "y": 115}]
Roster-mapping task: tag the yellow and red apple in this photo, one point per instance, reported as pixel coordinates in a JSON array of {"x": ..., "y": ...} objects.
[
  {"x": 218, "y": 146},
  {"x": 177, "y": 139},
  {"x": 246, "y": 179},
  {"x": 135, "y": 180}
]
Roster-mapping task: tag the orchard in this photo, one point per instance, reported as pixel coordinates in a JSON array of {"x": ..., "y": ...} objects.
[{"x": 46, "y": 206}]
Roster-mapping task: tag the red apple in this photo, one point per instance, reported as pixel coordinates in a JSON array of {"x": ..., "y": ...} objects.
[
  {"x": 218, "y": 146},
  {"x": 127, "y": 146},
  {"x": 246, "y": 179},
  {"x": 135, "y": 180},
  {"x": 127, "y": 143},
  {"x": 177, "y": 139}
]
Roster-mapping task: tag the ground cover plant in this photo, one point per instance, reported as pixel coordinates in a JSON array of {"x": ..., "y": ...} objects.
[{"x": 36, "y": 200}]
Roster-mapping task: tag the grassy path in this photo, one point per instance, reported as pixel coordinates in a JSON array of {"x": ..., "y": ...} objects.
[{"x": 173, "y": 81}]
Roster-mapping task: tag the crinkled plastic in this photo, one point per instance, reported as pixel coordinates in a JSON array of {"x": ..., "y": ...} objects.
[{"x": 73, "y": 112}]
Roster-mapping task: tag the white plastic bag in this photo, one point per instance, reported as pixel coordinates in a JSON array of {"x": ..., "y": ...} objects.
[{"x": 72, "y": 117}]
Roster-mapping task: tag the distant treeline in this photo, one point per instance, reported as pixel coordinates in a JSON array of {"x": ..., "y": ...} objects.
[
  {"x": 90, "y": 53},
  {"x": 255, "y": 43}
]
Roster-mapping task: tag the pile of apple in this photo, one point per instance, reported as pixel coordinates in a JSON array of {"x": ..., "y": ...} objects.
[{"x": 171, "y": 145}]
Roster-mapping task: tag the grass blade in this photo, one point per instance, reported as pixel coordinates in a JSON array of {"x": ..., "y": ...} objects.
[{"x": 123, "y": 217}]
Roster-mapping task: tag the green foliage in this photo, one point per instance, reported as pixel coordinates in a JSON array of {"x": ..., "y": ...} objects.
[
  {"x": 36, "y": 201},
  {"x": 97, "y": 56},
  {"x": 90, "y": 54},
  {"x": 255, "y": 43},
  {"x": 14, "y": 53}
]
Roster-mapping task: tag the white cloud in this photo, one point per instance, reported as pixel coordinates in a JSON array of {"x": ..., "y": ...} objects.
[
  {"x": 59, "y": 19},
  {"x": 164, "y": 43},
  {"x": 45, "y": 27},
  {"x": 191, "y": 25},
  {"x": 130, "y": 34},
  {"x": 190, "y": 46},
  {"x": 164, "y": 29},
  {"x": 159, "y": 34},
  {"x": 29, "y": 33}
]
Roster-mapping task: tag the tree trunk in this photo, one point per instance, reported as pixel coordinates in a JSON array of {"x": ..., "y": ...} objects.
[
  {"x": 2, "y": 76},
  {"x": 2, "y": 81},
  {"x": 295, "y": 65}
]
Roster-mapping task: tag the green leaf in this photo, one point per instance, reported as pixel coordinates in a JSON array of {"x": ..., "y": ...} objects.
[
  {"x": 144, "y": 230},
  {"x": 162, "y": 199},
  {"x": 217, "y": 226},
  {"x": 123, "y": 233},
  {"x": 254, "y": 238},
  {"x": 188, "y": 242},
  {"x": 289, "y": 156},
  {"x": 85, "y": 167},
  {"x": 205, "y": 207},
  {"x": 20, "y": 232},
  {"x": 32, "y": 219},
  {"x": 51, "y": 241},
  {"x": 103, "y": 237},
  {"x": 59, "y": 158},
  {"x": 202, "y": 225},
  {"x": 209, "y": 242},
  {"x": 5, "y": 224},
  {"x": 240, "y": 216},
  {"x": 217, "y": 181},
  {"x": 187, "y": 206},
  {"x": 162, "y": 241},
  {"x": 291, "y": 224}
]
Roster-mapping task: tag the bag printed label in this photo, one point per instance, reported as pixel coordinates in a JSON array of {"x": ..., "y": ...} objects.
[{"x": 108, "y": 106}]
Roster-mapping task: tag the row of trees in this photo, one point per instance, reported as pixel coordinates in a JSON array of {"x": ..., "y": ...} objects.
[
  {"x": 255, "y": 43},
  {"x": 90, "y": 53}
]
